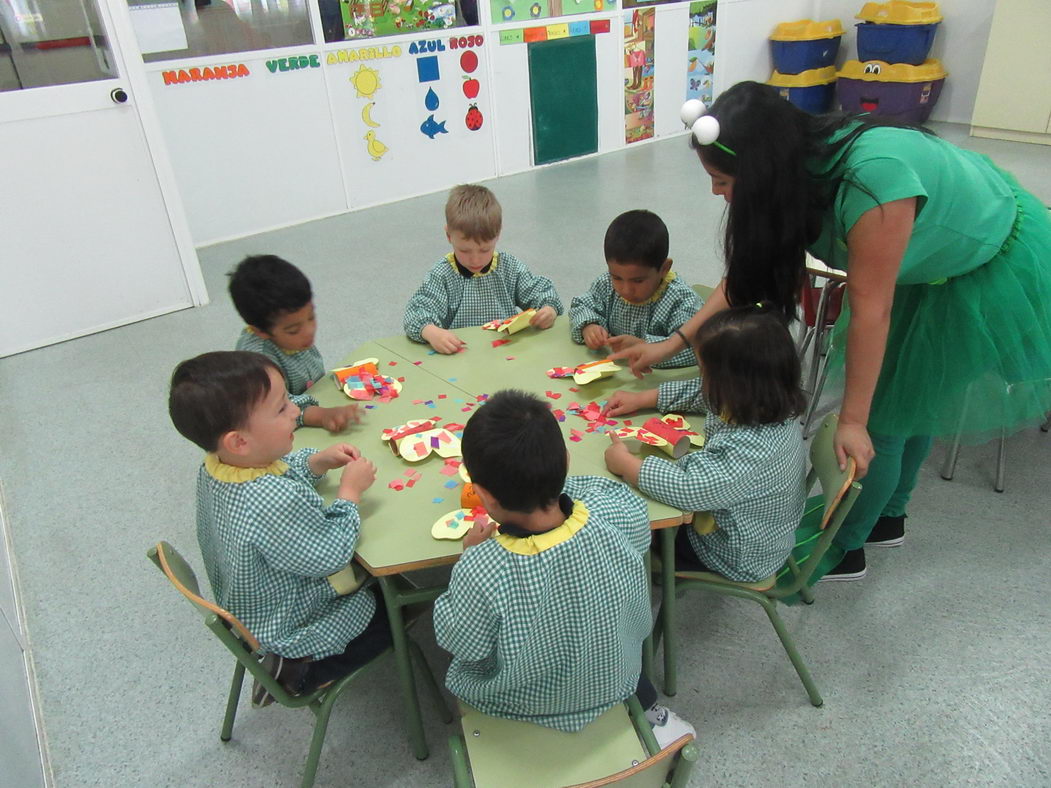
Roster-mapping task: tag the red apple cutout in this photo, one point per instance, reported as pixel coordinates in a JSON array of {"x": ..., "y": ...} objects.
[
  {"x": 470, "y": 88},
  {"x": 468, "y": 61}
]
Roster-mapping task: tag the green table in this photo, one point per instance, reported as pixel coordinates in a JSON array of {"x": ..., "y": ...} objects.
[{"x": 396, "y": 524}]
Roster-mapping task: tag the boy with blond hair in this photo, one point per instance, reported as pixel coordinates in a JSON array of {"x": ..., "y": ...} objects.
[{"x": 474, "y": 283}]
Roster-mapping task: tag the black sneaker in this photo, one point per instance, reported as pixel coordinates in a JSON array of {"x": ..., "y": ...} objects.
[
  {"x": 852, "y": 567},
  {"x": 888, "y": 532}
]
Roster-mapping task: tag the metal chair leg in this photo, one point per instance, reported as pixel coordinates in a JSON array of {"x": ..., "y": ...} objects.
[
  {"x": 318, "y": 739},
  {"x": 1001, "y": 462},
  {"x": 231, "y": 703},
  {"x": 811, "y": 409},
  {"x": 667, "y": 614},
  {"x": 949, "y": 468},
  {"x": 410, "y": 701},
  {"x": 770, "y": 606},
  {"x": 432, "y": 684}
]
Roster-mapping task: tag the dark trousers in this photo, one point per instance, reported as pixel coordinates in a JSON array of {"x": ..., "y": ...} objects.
[{"x": 372, "y": 641}]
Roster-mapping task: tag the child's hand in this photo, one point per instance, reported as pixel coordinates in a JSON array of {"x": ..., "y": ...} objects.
[
  {"x": 623, "y": 341},
  {"x": 335, "y": 456},
  {"x": 595, "y": 336},
  {"x": 358, "y": 475},
  {"x": 624, "y": 403},
  {"x": 544, "y": 317},
  {"x": 480, "y": 531},
  {"x": 621, "y": 461},
  {"x": 336, "y": 419},
  {"x": 442, "y": 340}
]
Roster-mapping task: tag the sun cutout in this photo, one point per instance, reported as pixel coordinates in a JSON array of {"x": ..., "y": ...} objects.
[{"x": 366, "y": 80}]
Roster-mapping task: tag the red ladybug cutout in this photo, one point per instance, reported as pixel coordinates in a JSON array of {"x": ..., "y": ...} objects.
[{"x": 474, "y": 118}]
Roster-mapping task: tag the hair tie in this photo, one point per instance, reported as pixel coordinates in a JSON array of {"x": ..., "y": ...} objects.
[{"x": 705, "y": 127}]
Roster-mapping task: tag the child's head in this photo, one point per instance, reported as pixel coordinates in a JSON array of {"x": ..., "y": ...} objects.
[
  {"x": 233, "y": 402},
  {"x": 749, "y": 366},
  {"x": 472, "y": 225},
  {"x": 636, "y": 248},
  {"x": 514, "y": 451},
  {"x": 274, "y": 298}
]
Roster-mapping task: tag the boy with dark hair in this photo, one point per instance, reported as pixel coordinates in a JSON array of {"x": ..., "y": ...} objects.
[
  {"x": 639, "y": 299},
  {"x": 546, "y": 619},
  {"x": 276, "y": 556},
  {"x": 474, "y": 283},
  {"x": 275, "y": 300}
]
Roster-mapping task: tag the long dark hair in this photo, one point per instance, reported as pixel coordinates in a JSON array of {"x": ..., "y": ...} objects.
[{"x": 778, "y": 197}]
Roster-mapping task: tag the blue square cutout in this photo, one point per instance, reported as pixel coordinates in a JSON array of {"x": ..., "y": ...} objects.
[{"x": 427, "y": 68}]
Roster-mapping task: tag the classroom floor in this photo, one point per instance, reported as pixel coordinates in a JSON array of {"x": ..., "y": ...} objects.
[{"x": 934, "y": 668}]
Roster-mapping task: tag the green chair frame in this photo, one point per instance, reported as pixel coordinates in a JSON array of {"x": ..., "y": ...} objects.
[
  {"x": 839, "y": 491},
  {"x": 667, "y": 768},
  {"x": 246, "y": 650}
]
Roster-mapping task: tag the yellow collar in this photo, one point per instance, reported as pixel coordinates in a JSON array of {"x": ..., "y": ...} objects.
[
  {"x": 248, "y": 330},
  {"x": 532, "y": 545},
  {"x": 658, "y": 294},
  {"x": 222, "y": 472},
  {"x": 451, "y": 258}
]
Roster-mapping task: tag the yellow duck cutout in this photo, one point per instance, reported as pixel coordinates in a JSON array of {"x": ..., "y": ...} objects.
[{"x": 375, "y": 148}]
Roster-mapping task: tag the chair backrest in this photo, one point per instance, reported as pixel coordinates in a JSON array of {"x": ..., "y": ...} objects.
[
  {"x": 182, "y": 576},
  {"x": 838, "y": 491},
  {"x": 703, "y": 291},
  {"x": 835, "y": 483},
  {"x": 655, "y": 771}
]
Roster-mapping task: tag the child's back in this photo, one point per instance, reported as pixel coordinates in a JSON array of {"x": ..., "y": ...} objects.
[{"x": 549, "y": 628}]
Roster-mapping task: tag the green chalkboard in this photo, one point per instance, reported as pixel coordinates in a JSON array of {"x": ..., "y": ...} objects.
[{"x": 564, "y": 98}]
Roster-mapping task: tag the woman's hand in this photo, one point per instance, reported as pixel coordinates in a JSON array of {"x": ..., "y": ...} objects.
[
  {"x": 644, "y": 355},
  {"x": 852, "y": 440}
]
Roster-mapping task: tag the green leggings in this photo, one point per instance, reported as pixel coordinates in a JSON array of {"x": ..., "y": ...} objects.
[{"x": 887, "y": 486}]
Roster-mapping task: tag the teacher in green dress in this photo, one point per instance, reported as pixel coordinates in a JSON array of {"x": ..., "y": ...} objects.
[{"x": 949, "y": 282}]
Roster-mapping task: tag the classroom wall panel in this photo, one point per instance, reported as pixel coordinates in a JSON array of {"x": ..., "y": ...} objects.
[
  {"x": 252, "y": 148},
  {"x": 669, "y": 84},
  {"x": 412, "y": 116},
  {"x": 742, "y": 48}
]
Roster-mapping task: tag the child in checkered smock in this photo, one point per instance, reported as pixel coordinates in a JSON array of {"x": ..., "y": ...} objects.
[
  {"x": 747, "y": 483},
  {"x": 275, "y": 300},
  {"x": 639, "y": 299},
  {"x": 277, "y": 557},
  {"x": 545, "y": 620},
  {"x": 474, "y": 283}
]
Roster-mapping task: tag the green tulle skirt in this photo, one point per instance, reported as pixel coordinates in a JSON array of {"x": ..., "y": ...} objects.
[{"x": 974, "y": 351}]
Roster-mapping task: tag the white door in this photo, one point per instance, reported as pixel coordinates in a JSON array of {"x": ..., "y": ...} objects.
[{"x": 92, "y": 231}]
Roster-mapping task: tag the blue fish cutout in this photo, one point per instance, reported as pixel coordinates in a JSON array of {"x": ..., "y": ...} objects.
[
  {"x": 430, "y": 127},
  {"x": 431, "y": 101}
]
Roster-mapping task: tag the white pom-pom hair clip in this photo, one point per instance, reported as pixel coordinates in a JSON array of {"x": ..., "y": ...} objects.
[{"x": 705, "y": 127}]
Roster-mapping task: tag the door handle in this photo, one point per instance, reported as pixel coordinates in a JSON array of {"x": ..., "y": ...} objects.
[{"x": 119, "y": 95}]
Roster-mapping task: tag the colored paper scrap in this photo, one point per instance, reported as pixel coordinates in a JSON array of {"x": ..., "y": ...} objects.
[
  {"x": 498, "y": 342},
  {"x": 553, "y": 394},
  {"x": 599, "y": 26},
  {"x": 579, "y": 29},
  {"x": 532, "y": 34},
  {"x": 557, "y": 31},
  {"x": 452, "y": 484},
  {"x": 510, "y": 358},
  {"x": 437, "y": 500},
  {"x": 511, "y": 36}
]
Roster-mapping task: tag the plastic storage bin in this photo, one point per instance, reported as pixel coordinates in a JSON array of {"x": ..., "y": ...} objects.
[
  {"x": 805, "y": 45},
  {"x": 811, "y": 91},
  {"x": 898, "y": 90},
  {"x": 895, "y": 43},
  {"x": 900, "y": 12}
]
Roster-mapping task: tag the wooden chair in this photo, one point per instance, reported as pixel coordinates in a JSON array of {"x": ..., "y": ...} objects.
[
  {"x": 245, "y": 648},
  {"x": 838, "y": 493},
  {"x": 617, "y": 748}
]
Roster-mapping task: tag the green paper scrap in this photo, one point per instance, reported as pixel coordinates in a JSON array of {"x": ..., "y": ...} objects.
[{"x": 512, "y": 36}]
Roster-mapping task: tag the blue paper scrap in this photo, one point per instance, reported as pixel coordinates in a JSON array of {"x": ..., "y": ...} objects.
[{"x": 451, "y": 484}]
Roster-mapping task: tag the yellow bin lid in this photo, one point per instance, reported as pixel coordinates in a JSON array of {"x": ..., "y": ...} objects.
[
  {"x": 807, "y": 30},
  {"x": 807, "y": 79},
  {"x": 878, "y": 71},
  {"x": 900, "y": 12}
]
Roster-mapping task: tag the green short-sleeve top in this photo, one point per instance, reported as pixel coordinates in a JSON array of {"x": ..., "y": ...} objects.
[{"x": 965, "y": 210}]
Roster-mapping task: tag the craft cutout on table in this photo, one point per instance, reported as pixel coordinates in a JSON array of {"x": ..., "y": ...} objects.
[
  {"x": 416, "y": 439},
  {"x": 511, "y": 325},
  {"x": 362, "y": 381},
  {"x": 671, "y": 434},
  {"x": 586, "y": 373},
  {"x": 458, "y": 522}
]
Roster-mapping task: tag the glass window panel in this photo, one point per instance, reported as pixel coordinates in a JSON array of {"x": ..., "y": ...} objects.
[
  {"x": 345, "y": 20},
  {"x": 174, "y": 29},
  {"x": 52, "y": 42}
]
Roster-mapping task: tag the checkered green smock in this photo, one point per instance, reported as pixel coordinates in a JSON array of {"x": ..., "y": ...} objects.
[
  {"x": 449, "y": 299},
  {"x": 552, "y": 637},
  {"x": 750, "y": 478},
  {"x": 301, "y": 370},
  {"x": 268, "y": 545},
  {"x": 672, "y": 305}
]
